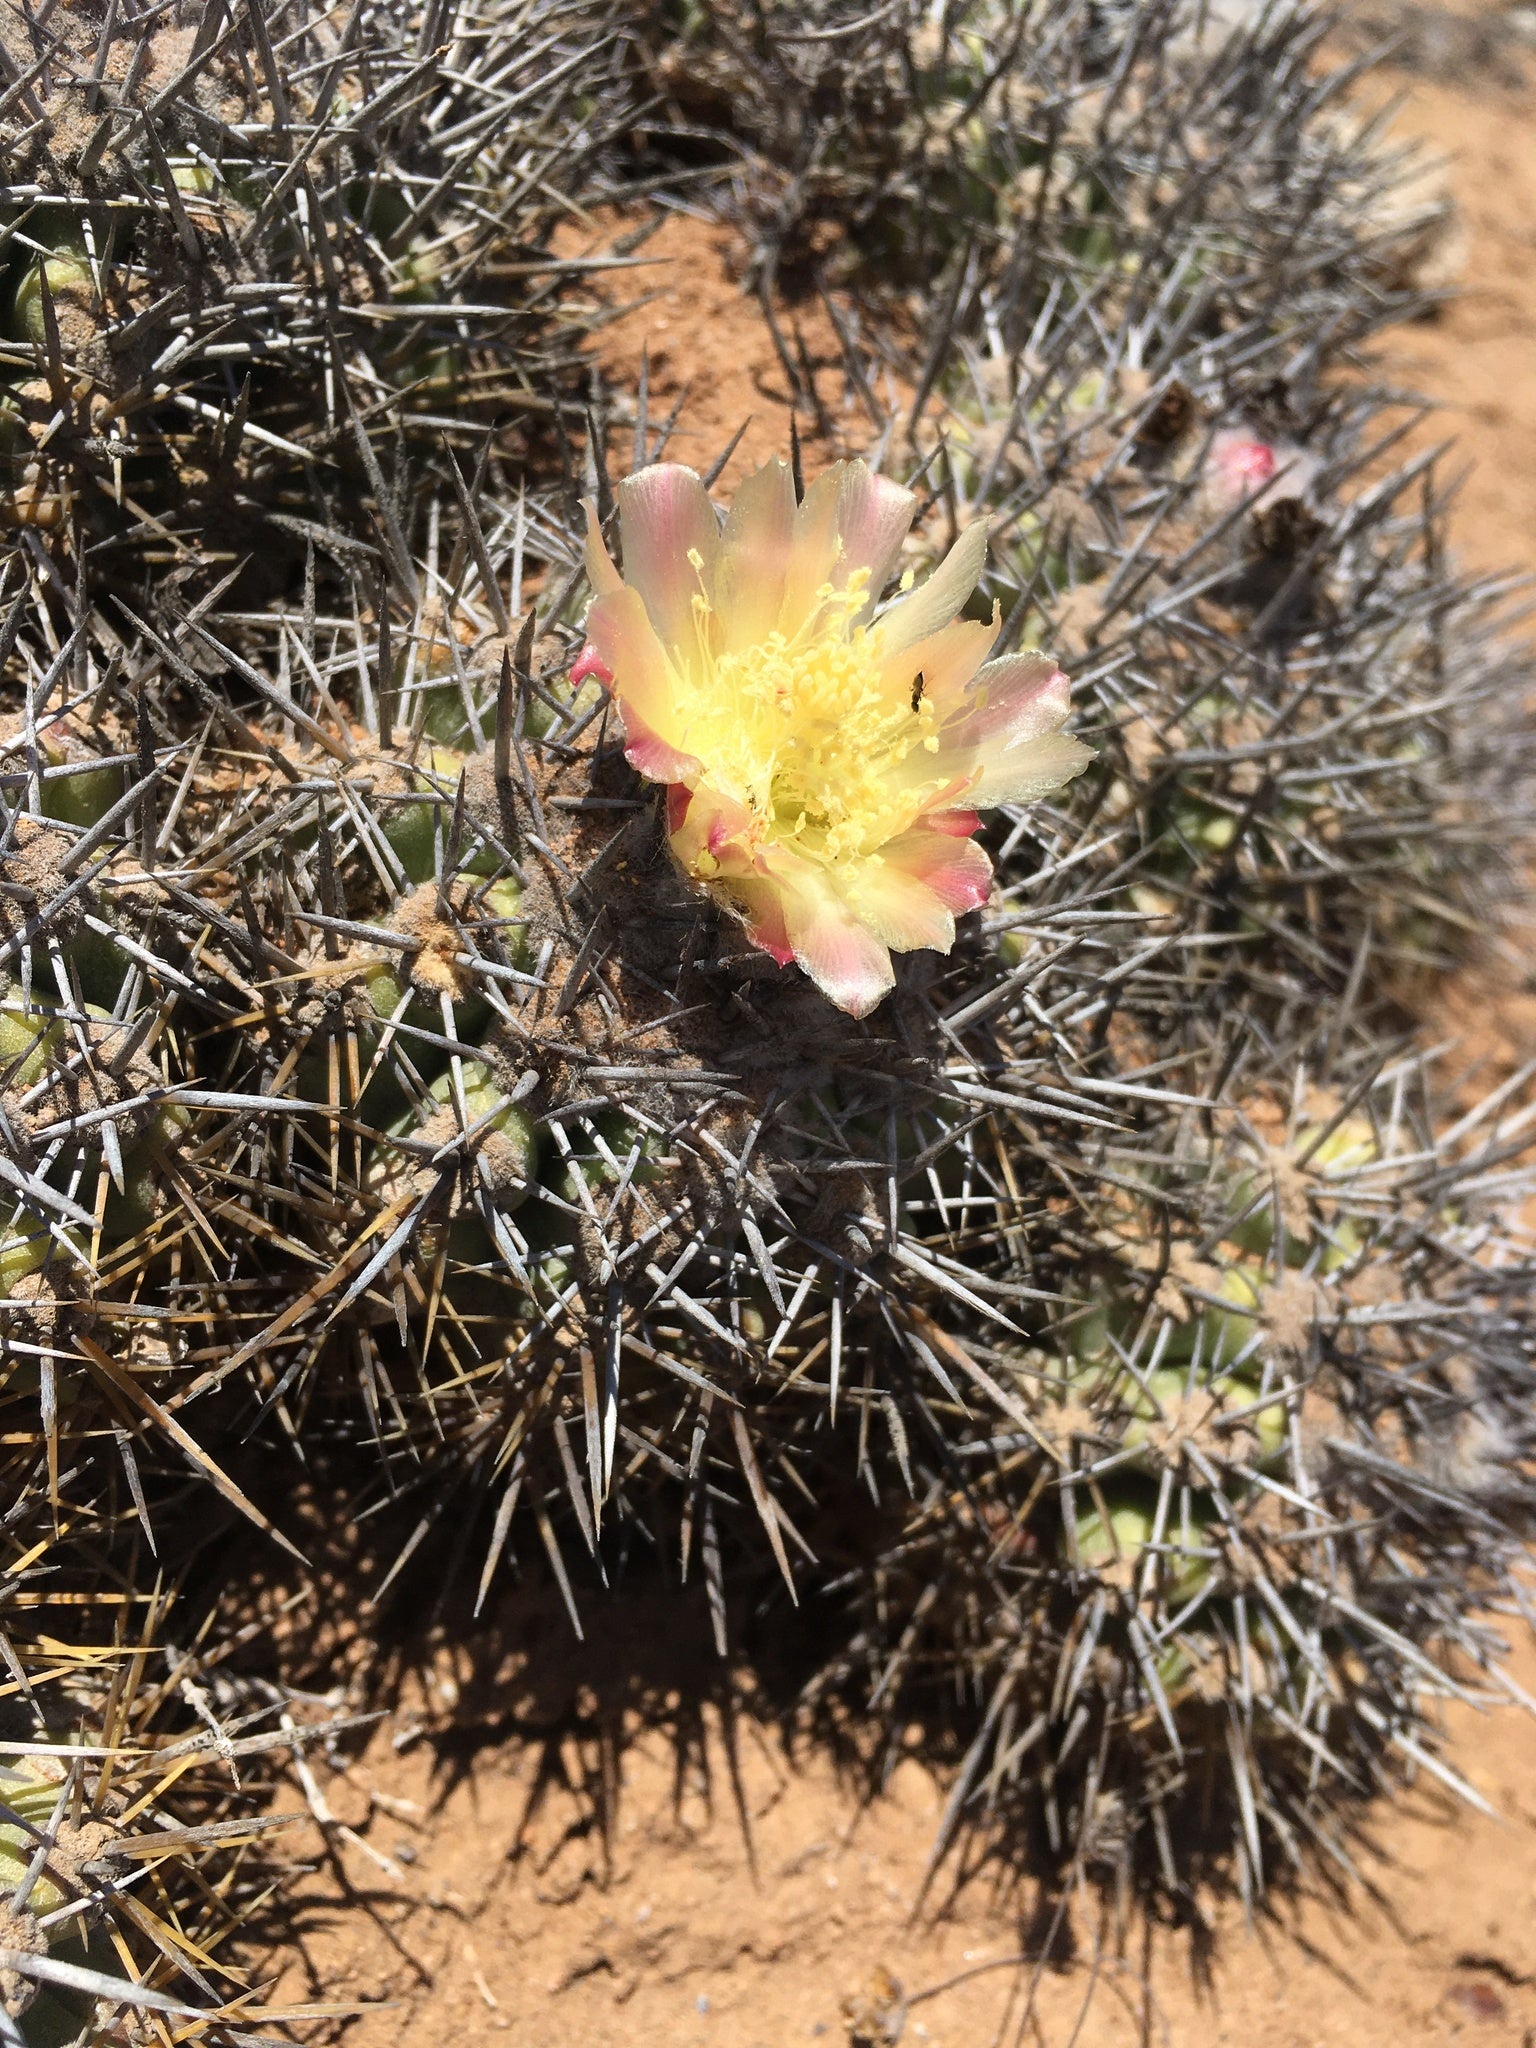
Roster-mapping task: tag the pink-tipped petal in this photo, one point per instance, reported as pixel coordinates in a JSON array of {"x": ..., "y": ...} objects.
[
  {"x": 760, "y": 904},
  {"x": 1019, "y": 698},
  {"x": 1239, "y": 465},
  {"x": 1012, "y": 704},
  {"x": 621, "y": 639},
  {"x": 850, "y": 519},
  {"x": 842, "y": 956},
  {"x": 654, "y": 757},
  {"x": 710, "y": 825},
  {"x": 1030, "y": 771},
  {"x": 956, "y": 870},
  {"x": 1241, "y": 469},
  {"x": 899, "y": 908},
  {"x": 813, "y": 552},
  {"x": 665, "y": 518},
  {"x": 934, "y": 603},
  {"x": 601, "y": 573},
  {"x": 958, "y": 824},
  {"x": 587, "y": 665},
  {"x": 874, "y": 517},
  {"x": 754, "y": 557}
]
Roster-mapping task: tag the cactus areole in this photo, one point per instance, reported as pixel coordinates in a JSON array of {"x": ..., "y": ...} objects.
[{"x": 825, "y": 759}]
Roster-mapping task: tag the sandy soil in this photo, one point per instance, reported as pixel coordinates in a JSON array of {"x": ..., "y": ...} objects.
[
  {"x": 716, "y": 369},
  {"x": 583, "y": 1882},
  {"x": 543, "y": 1872},
  {"x": 1476, "y": 360}
]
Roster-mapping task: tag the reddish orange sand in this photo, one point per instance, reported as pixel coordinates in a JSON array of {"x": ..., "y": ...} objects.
[{"x": 485, "y": 1930}]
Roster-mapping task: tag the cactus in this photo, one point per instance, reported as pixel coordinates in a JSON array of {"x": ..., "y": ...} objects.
[
  {"x": 1118, "y": 368},
  {"x": 128, "y": 1839},
  {"x": 225, "y": 243},
  {"x": 1110, "y": 1318},
  {"x": 1194, "y": 1578}
]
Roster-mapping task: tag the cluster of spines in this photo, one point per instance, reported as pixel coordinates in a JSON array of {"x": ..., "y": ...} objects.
[
  {"x": 131, "y": 1850},
  {"x": 232, "y": 268},
  {"x": 1281, "y": 1415}
]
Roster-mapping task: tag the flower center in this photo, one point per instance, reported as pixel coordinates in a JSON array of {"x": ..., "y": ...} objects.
[{"x": 805, "y": 729}]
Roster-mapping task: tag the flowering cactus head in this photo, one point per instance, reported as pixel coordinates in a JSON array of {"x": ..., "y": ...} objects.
[{"x": 825, "y": 759}]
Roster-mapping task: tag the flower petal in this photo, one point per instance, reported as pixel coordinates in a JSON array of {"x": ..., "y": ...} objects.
[
  {"x": 622, "y": 641},
  {"x": 850, "y": 519},
  {"x": 1019, "y": 698},
  {"x": 957, "y": 871},
  {"x": 589, "y": 663},
  {"x": 946, "y": 660},
  {"x": 958, "y": 824},
  {"x": 601, "y": 573},
  {"x": 1242, "y": 469},
  {"x": 934, "y": 604},
  {"x": 1030, "y": 771},
  {"x": 1012, "y": 704},
  {"x": 842, "y": 956},
  {"x": 874, "y": 517},
  {"x": 1007, "y": 741},
  {"x": 709, "y": 835},
  {"x": 754, "y": 557},
  {"x": 899, "y": 908},
  {"x": 656, "y": 758},
  {"x": 760, "y": 905},
  {"x": 715, "y": 825},
  {"x": 664, "y": 518}
]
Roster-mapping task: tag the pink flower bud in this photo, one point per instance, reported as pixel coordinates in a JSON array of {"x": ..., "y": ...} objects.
[{"x": 1243, "y": 469}]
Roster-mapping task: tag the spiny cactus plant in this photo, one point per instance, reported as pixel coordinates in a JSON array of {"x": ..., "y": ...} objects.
[
  {"x": 1276, "y": 1447},
  {"x": 1144, "y": 264},
  {"x": 235, "y": 246},
  {"x": 483, "y": 1131},
  {"x": 1081, "y": 1298},
  {"x": 128, "y": 1843}
]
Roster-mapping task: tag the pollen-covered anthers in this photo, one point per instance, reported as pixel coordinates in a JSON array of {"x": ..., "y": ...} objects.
[{"x": 804, "y": 730}]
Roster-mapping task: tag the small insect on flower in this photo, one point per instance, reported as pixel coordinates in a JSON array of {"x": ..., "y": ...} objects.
[{"x": 825, "y": 760}]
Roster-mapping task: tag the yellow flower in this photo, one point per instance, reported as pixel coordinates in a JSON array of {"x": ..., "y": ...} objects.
[{"x": 824, "y": 759}]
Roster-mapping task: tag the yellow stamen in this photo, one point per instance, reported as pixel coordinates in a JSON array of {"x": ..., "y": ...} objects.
[{"x": 806, "y": 729}]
